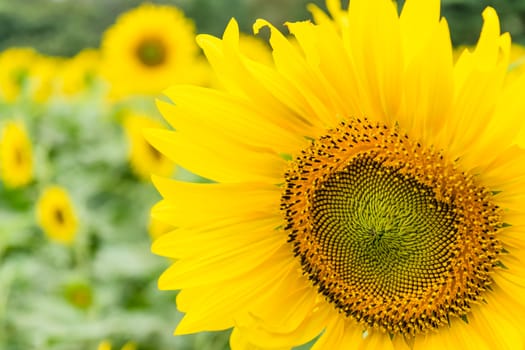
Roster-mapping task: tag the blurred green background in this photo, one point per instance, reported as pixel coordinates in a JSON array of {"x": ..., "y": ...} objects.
[{"x": 64, "y": 27}]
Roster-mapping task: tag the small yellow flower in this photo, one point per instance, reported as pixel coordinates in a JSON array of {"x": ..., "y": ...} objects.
[
  {"x": 78, "y": 73},
  {"x": 104, "y": 345},
  {"x": 56, "y": 215},
  {"x": 15, "y": 63},
  {"x": 144, "y": 159},
  {"x": 150, "y": 48},
  {"x": 16, "y": 156},
  {"x": 129, "y": 346},
  {"x": 42, "y": 77}
]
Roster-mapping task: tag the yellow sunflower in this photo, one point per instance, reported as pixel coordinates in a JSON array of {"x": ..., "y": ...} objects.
[
  {"x": 56, "y": 215},
  {"x": 144, "y": 159},
  {"x": 366, "y": 190},
  {"x": 42, "y": 77},
  {"x": 16, "y": 155},
  {"x": 16, "y": 63},
  {"x": 78, "y": 73},
  {"x": 150, "y": 48},
  {"x": 106, "y": 345}
]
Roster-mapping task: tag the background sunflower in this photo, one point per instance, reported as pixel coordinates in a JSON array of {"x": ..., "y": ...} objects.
[
  {"x": 56, "y": 215},
  {"x": 154, "y": 45},
  {"x": 16, "y": 155},
  {"x": 144, "y": 159}
]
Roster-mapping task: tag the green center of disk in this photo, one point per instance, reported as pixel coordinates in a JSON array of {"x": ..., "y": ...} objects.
[{"x": 151, "y": 52}]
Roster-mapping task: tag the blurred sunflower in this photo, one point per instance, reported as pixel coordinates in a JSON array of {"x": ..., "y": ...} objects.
[
  {"x": 106, "y": 345},
  {"x": 129, "y": 346},
  {"x": 78, "y": 73},
  {"x": 150, "y": 48},
  {"x": 367, "y": 189},
  {"x": 56, "y": 215},
  {"x": 16, "y": 63},
  {"x": 16, "y": 155},
  {"x": 144, "y": 159},
  {"x": 42, "y": 77}
]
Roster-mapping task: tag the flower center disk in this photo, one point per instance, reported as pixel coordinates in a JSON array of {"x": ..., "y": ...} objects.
[
  {"x": 151, "y": 52},
  {"x": 392, "y": 234}
]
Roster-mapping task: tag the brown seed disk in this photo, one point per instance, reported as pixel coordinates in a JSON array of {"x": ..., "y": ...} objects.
[
  {"x": 151, "y": 52},
  {"x": 393, "y": 234}
]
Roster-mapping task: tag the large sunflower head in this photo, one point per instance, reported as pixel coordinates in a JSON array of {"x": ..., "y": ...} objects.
[
  {"x": 366, "y": 188},
  {"x": 144, "y": 159},
  {"x": 149, "y": 48},
  {"x": 56, "y": 215},
  {"x": 16, "y": 155}
]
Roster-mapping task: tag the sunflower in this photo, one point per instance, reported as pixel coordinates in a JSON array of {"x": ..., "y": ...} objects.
[
  {"x": 144, "y": 159},
  {"x": 16, "y": 63},
  {"x": 16, "y": 155},
  {"x": 366, "y": 190},
  {"x": 56, "y": 215},
  {"x": 42, "y": 77},
  {"x": 106, "y": 345},
  {"x": 78, "y": 73},
  {"x": 148, "y": 49}
]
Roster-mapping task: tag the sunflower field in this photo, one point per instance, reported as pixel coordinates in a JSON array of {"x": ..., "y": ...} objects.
[{"x": 166, "y": 169}]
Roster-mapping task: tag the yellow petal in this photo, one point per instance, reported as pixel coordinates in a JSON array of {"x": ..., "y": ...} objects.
[
  {"x": 225, "y": 115},
  {"x": 187, "y": 204},
  {"x": 219, "y": 159}
]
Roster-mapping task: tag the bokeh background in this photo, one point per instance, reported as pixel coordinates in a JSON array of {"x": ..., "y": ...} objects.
[
  {"x": 64, "y": 27},
  {"x": 92, "y": 284}
]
